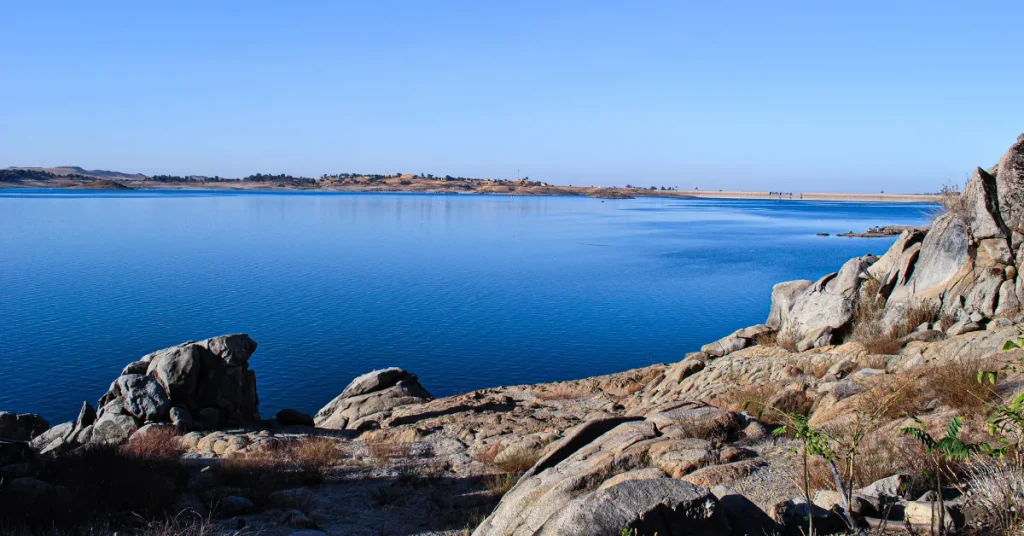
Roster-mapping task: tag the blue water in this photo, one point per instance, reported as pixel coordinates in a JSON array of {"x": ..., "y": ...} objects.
[{"x": 466, "y": 291}]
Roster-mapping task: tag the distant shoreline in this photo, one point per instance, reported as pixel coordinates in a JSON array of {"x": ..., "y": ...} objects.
[{"x": 416, "y": 184}]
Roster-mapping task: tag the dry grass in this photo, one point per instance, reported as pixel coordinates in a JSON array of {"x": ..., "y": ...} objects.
[
  {"x": 498, "y": 485},
  {"x": 996, "y": 488},
  {"x": 382, "y": 450},
  {"x": 955, "y": 384},
  {"x": 751, "y": 397},
  {"x": 185, "y": 523},
  {"x": 954, "y": 203},
  {"x": 767, "y": 339},
  {"x": 162, "y": 444},
  {"x": 518, "y": 462},
  {"x": 877, "y": 337}
]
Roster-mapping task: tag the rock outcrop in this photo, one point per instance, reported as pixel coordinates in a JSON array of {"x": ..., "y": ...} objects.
[
  {"x": 623, "y": 472},
  {"x": 370, "y": 398},
  {"x": 206, "y": 383},
  {"x": 967, "y": 263}
]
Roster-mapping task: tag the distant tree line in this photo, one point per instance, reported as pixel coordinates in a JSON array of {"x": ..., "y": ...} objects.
[
  {"x": 17, "y": 175},
  {"x": 260, "y": 177}
]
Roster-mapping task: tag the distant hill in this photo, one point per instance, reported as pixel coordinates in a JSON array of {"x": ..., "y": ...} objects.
[{"x": 95, "y": 173}]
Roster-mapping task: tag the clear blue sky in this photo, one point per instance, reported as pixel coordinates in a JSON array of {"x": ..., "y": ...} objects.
[{"x": 793, "y": 96}]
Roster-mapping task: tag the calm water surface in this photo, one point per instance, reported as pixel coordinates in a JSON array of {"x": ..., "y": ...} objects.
[{"x": 466, "y": 291}]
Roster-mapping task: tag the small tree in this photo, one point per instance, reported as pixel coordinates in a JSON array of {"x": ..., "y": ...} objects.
[
  {"x": 949, "y": 448},
  {"x": 815, "y": 443}
]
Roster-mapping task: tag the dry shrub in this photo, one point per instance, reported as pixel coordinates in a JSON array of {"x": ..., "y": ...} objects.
[
  {"x": 315, "y": 455},
  {"x": 996, "y": 488},
  {"x": 898, "y": 395},
  {"x": 870, "y": 330},
  {"x": 751, "y": 397},
  {"x": 955, "y": 204},
  {"x": 769, "y": 338},
  {"x": 156, "y": 444},
  {"x": 518, "y": 462},
  {"x": 185, "y": 523},
  {"x": 384, "y": 449},
  {"x": 278, "y": 465},
  {"x": 498, "y": 485},
  {"x": 886, "y": 453},
  {"x": 955, "y": 384}
]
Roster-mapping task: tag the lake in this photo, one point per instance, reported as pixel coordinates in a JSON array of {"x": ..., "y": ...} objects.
[{"x": 465, "y": 291}]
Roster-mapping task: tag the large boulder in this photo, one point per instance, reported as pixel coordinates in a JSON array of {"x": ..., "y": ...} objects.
[
  {"x": 23, "y": 427},
  {"x": 650, "y": 506},
  {"x": 609, "y": 474},
  {"x": 209, "y": 377},
  {"x": 369, "y": 398}
]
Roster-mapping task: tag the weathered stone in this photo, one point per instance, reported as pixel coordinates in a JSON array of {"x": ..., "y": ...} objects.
[
  {"x": 113, "y": 428},
  {"x": 700, "y": 421},
  {"x": 961, "y": 327},
  {"x": 144, "y": 398},
  {"x": 234, "y": 350},
  {"x": 86, "y": 416},
  {"x": 57, "y": 433},
  {"x": 784, "y": 296},
  {"x": 725, "y": 474},
  {"x": 725, "y": 346},
  {"x": 181, "y": 418},
  {"x": 887, "y": 489},
  {"x": 662, "y": 506},
  {"x": 23, "y": 427},
  {"x": 370, "y": 394}
]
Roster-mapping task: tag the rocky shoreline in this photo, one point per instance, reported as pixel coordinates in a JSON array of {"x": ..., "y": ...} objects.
[{"x": 702, "y": 446}]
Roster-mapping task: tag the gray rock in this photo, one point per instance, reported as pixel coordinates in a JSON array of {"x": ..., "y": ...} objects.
[
  {"x": 784, "y": 296},
  {"x": 371, "y": 394},
  {"x": 181, "y": 418},
  {"x": 887, "y": 489},
  {"x": 135, "y": 367},
  {"x": 144, "y": 398},
  {"x": 745, "y": 517},
  {"x": 113, "y": 428},
  {"x": 86, "y": 416},
  {"x": 234, "y": 350},
  {"x": 21, "y": 427},
  {"x": 725, "y": 346},
  {"x": 57, "y": 433},
  {"x": 178, "y": 370},
  {"x": 662, "y": 506},
  {"x": 841, "y": 369},
  {"x": 753, "y": 332},
  {"x": 962, "y": 327}
]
